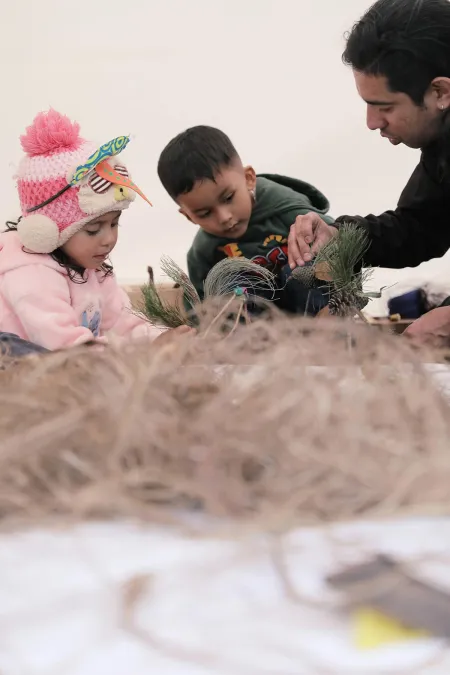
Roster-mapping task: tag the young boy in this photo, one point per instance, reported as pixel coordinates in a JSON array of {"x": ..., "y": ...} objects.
[{"x": 239, "y": 213}]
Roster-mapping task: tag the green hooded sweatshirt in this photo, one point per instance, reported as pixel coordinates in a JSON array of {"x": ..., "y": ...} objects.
[{"x": 279, "y": 200}]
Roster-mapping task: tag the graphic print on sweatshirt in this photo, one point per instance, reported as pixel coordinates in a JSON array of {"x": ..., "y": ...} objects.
[
  {"x": 91, "y": 318},
  {"x": 275, "y": 258}
]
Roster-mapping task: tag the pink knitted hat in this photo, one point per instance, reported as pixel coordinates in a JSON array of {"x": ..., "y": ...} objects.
[{"x": 64, "y": 182}]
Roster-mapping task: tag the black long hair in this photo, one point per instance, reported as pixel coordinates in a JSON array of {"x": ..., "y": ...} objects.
[{"x": 75, "y": 272}]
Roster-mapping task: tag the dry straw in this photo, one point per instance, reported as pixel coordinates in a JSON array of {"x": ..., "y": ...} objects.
[{"x": 243, "y": 428}]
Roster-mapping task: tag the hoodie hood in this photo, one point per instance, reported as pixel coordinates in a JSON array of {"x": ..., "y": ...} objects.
[{"x": 277, "y": 194}]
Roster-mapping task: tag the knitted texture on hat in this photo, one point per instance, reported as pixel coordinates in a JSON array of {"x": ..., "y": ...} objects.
[{"x": 54, "y": 149}]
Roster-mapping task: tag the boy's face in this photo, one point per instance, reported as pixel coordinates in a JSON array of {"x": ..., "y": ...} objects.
[{"x": 222, "y": 207}]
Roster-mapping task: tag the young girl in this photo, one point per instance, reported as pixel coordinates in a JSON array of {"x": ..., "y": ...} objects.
[{"x": 57, "y": 288}]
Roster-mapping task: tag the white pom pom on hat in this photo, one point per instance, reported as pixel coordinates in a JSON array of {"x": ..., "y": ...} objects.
[{"x": 38, "y": 233}]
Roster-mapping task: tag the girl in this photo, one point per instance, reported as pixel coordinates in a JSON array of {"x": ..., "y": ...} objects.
[{"x": 57, "y": 288}]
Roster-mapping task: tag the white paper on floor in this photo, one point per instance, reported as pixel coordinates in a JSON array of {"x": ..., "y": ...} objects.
[{"x": 125, "y": 599}]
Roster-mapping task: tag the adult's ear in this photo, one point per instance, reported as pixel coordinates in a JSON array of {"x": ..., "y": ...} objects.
[{"x": 440, "y": 87}]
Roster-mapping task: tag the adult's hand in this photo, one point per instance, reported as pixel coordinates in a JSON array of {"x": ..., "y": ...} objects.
[
  {"x": 433, "y": 327},
  {"x": 307, "y": 236}
]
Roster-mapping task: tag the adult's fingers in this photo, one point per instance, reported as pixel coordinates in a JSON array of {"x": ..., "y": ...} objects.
[
  {"x": 324, "y": 233},
  {"x": 300, "y": 237}
]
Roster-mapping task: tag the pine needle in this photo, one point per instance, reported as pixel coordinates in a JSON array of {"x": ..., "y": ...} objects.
[
  {"x": 233, "y": 273},
  {"x": 159, "y": 312},
  {"x": 343, "y": 253},
  {"x": 178, "y": 276},
  {"x": 340, "y": 257}
]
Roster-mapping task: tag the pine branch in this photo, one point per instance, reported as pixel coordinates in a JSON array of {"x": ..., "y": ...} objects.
[
  {"x": 343, "y": 253},
  {"x": 159, "y": 312},
  {"x": 339, "y": 258},
  {"x": 178, "y": 276}
]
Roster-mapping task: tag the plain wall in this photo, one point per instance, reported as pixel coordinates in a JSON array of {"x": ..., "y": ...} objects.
[{"x": 269, "y": 73}]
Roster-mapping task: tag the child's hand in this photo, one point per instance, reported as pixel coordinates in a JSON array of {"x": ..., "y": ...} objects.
[{"x": 173, "y": 334}]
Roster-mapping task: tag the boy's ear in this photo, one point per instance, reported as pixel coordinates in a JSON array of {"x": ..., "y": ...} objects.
[
  {"x": 183, "y": 213},
  {"x": 250, "y": 177}
]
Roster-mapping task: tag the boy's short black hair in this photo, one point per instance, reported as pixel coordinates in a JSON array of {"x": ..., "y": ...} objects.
[{"x": 197, "y": 154}]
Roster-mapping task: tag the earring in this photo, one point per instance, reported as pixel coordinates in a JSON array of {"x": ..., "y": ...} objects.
[
  {"x": 442, "y": 107},
  {"x": 252, "y": 194}
]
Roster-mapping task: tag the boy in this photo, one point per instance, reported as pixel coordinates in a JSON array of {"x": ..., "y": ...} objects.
[{"x": 239, "y": 213}]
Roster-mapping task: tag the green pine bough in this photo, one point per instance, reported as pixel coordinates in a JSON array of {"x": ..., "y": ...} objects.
[{"x": 339, "y": 265}]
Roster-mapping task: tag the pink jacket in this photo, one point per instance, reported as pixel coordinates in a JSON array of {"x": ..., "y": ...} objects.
[{"x": 38, "y": 302}]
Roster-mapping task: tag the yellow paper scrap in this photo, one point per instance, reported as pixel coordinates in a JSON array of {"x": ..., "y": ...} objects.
[{"x": 373, "y": 629}]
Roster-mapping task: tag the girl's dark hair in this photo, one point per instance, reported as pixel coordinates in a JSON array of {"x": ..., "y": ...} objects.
[{"x": 74, "y": 271}]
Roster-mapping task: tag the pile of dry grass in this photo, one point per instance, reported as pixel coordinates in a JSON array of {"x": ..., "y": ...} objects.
[{"x": 241, "y": 427}]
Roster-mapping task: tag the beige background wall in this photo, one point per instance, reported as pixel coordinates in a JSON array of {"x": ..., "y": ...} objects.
[{"x": 268, "y": 72}]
